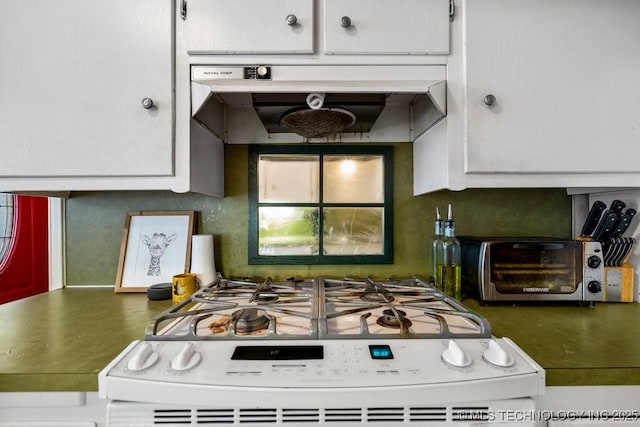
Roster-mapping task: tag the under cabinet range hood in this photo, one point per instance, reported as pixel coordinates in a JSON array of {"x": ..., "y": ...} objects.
[{"x": 327, "y": 103}]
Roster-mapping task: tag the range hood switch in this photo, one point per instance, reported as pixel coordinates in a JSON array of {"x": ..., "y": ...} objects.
[{"x": 260, "y": 72}]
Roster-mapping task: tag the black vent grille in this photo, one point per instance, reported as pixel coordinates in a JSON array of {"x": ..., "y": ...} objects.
[
  {"x": 312, "y": 416},
  {"x": 385, "y": 414},
  {"x": 214, "y": 416},
  {"x": 172, "y": 416},
  {"x": 423, "y": 414},
  {"x": 301, "y": 415},
  {"x": 470, "y": 413},
  {"x": 262, "y": 416},
  {"x": 341, "y": 415}
]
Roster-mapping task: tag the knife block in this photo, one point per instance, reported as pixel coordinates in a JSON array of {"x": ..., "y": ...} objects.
[{"x": 618, "y": 284}]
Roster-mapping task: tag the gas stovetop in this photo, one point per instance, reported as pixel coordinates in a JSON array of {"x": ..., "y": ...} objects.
[
  {"x": 318, "y": 308},
  {"x": 321, "y": 345}
]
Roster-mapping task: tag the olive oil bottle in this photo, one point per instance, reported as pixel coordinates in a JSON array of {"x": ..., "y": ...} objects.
[
  {"x": 438, "y": 242},
  {"x": 450, "y": 270}
]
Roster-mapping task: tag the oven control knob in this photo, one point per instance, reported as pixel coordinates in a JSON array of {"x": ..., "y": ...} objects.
[
  {"x": 144, "y": 358},
  {"x": 455, "y": 356},
  {"x": 594, "y": 261},
  {"x": 496, "y": 355},
  {"x": 594, "y": 286},
  {"x": 188, "y": 358}
]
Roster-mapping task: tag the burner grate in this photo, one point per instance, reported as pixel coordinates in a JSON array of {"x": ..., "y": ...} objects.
[{"x": 318, "y": 309}]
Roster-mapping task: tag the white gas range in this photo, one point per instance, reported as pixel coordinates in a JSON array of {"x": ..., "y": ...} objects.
[{"x": 319, "y": 352}]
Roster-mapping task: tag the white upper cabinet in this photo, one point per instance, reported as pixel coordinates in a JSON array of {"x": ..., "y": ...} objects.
[
  {"x": 88, "y": 100},
  {"x": 249, "y": 26},
  {"x": 542, "y": 93},
  {"x": 553, "y": 87},
  {"x": 414, "y": 27},
  {"x": 360, "y": 27},
  {"x": 73, "y": 79}
]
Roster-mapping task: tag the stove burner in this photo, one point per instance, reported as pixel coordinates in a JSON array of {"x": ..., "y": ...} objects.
[
  {"x": 389, "y": 319},
  {"x": 376, "y": 297},
  {"x": 268, "y": 294},
  {"x": 266, "y": 298},
  {"x": 250, "y": 320}
]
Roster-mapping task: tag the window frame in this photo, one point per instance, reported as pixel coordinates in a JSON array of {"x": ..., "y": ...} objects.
[
  {"x": 322, "y": 150},
  {"x": 7, "y": 235}
]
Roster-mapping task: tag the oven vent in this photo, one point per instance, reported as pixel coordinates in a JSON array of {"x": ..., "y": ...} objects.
[
  {"x": 262, "y": 415},
  {"x": 301, "y": 415},
  {"x": 214, "y": 416},
  {"x": 385, "y": 414},
  {"x": 315, "y": 416},
  {"x": 422, "y": 414},
  {"x": 342, "y": 415},
  {"x": 470, "y": 413},
  {"x": 171, "y": 416}
]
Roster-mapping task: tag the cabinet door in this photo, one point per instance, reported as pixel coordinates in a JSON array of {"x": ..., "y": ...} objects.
[
  {"x": 249, "y": 26},
  {"x": 565, "y": 80},
  {"x": 72, "y": 79},
  {"x": 416, "y": 27}
]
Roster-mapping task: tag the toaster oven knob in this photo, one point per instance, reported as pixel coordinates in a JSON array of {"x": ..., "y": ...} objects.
[
  {"x": 594, "y": 261},
  {"x": 594, "y": 286},
  {"x": 455, "y": 356}
]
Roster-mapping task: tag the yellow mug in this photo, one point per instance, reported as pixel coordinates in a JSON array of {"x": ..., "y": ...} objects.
[{"x": 182, "y": 286}]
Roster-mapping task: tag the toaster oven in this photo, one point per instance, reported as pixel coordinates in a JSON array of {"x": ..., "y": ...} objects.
[{"x": 532, "y": 269}]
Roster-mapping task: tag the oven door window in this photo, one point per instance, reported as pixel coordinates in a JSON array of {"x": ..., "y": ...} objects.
[
  {"x": 536, "y": 268},
  {"x": 320, "y": 204}
]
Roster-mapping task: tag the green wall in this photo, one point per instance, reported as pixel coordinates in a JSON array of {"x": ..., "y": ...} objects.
[{"x": 94, "y": 223}]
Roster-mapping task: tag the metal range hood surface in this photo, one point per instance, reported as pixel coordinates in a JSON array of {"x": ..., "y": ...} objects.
[
  {"x": 273, "y": 107},
  {"x": 390, "y": 103}
]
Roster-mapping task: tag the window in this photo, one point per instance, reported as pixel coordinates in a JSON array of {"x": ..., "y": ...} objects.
[
  {"x": 6, "y": 226},
  {"x": 319, "y": 204}
]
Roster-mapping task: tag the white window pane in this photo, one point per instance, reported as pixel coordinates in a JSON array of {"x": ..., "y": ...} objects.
[
  {"x": 288, "y": 178},
  {"x": 353, "y": 179},
  {"x": 353, "y": 231},
  {"x": 6, "y": 224},
  {"x": 287, "y": 231}
]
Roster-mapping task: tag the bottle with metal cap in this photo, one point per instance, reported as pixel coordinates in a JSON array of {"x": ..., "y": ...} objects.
[
  {"x": 450, "y": 268},
  {"x": 437, "y": 252}
]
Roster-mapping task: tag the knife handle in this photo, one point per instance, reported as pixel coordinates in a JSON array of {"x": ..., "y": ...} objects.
[
  {"x": 593, "y": 217},
  {"x": 617, "y": 206},
  {"x": 623, "y": 222},
  {"x": 605, "y": 226}
]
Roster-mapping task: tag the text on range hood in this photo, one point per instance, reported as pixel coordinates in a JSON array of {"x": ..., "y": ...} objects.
[{"x": 375, "y": 103}]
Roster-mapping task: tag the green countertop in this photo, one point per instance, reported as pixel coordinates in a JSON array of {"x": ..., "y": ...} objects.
[
  {"x": 60, "y": 340},
  {"x": 576, "y": 345}
]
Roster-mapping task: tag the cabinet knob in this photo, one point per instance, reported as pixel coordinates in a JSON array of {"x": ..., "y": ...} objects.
[
  {"x": 147, "y": 103},
  {"x": 345, "y": 22},
  {"x": 489, "y": 99},
  {"x": 292, "y": 20}
]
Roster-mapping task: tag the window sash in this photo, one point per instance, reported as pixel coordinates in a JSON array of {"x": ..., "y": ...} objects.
[{"x": 386, "y": 257}]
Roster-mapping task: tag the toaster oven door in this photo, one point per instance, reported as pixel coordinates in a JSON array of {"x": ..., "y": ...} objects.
[{"x": 535, "y": 270}]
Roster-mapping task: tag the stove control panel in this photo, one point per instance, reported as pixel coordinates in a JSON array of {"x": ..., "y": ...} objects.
[{"x": 323, "y": 364}]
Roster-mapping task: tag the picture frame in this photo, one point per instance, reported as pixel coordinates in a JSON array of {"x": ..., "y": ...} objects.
[{"x": 156, "y": 245}]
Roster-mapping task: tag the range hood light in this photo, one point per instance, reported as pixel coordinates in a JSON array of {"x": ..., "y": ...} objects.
[{"x": 318, "y": 123}]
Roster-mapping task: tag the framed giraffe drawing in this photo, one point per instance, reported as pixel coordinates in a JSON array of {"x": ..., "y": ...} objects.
[{"x": 155, "y": 246}]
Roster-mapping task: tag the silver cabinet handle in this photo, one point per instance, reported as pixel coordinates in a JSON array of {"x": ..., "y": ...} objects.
[
  {"x": 147, "y": 103},
  {"x": 345, "y": 22},
  {"x": 292, "y": 20},
  {"x": 489, "y": 99}
]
